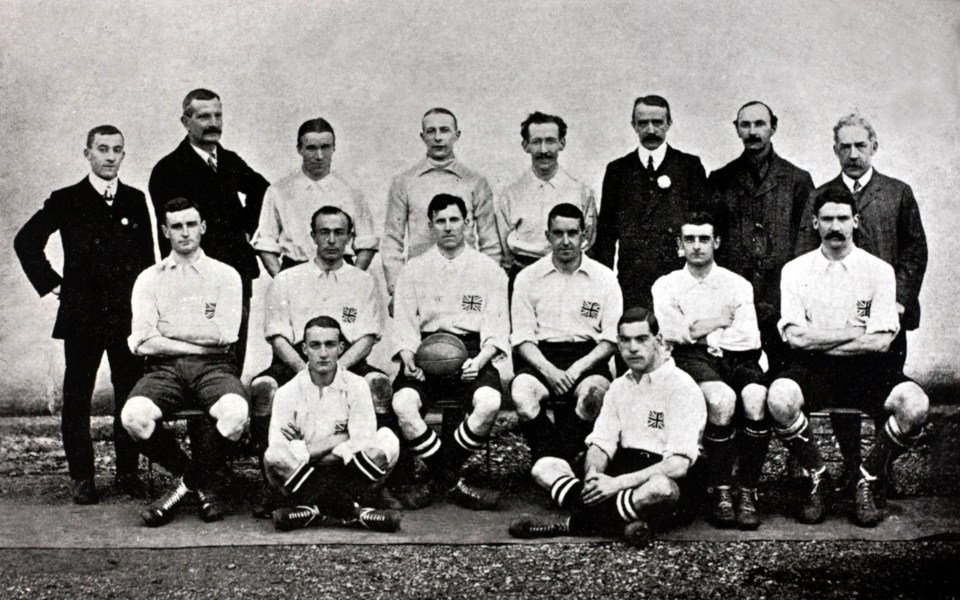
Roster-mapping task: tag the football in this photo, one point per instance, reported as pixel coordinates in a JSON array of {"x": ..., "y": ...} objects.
[{"x": 441, "y": 354}]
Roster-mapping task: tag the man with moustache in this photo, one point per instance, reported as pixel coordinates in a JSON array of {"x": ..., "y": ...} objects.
[
  {"x": 202, "y": 170},
  {"x": 406, "y": 231},
  {"x": 759, "y": 198},
  {"x": 839, "y": 314},
  {"x": 105, "y": 229},
  {"x": 523, "y": 206},
  {"x": 283, "y": 238},
  {"x": 645, "y": 194}
]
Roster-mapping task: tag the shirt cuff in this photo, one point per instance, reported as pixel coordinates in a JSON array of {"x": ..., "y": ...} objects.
[
  {"x": 262, "y": 244},
  {"x": 517, "y": 338},
  {"x": 366, "y": 242}
]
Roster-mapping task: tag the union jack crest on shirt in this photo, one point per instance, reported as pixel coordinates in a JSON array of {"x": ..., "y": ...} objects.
[
  {"x": 863, "y": 308},
  {"x": 590, "y": 310},
  {"x": 655, "y": 419},
  {"x": 472, "y": 303},
  {"x": 340, "y": 427},
  {"x": 209, "y": 309},
  {"x": 349, "y": 314}
]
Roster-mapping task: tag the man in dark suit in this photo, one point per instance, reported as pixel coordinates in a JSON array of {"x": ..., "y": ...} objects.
[
  {"x": 202, "y": 170},
  {"x": 645, "y": 196},
  {"x": 105, "y": 229},
  {"x": 759, "y": 199}
]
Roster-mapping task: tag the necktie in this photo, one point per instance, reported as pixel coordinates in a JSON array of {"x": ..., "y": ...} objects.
[
  {"x": 108, "y": 195},
  {"x": 650, "y": 169},
  {"x": 856, "y": 186},
  {"x": 212, "y": 161}
]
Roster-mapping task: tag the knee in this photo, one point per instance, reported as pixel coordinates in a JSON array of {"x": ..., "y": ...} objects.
[
  {"x": 406, "y": 404},
  {"x": 262, "y": 391},
  {"x": 381, "y": 391},
  {"x": 527, "y": 393},
  {"x": 546, "y": 470},
  {"x": 754, "y": 401},
  {"x": 721, "y": 401},
  {"x": 590, "y": 395},
  {"x": 910, "y": 406},
  {"x": 387, "y": 443},
  {"x": 278, "y": 462},
  {"x": 139, "y": 417},
  {"x": 232, "y": 414},
  {"x": 659, "y": 489},
  {"x": 486, "y": 402},
  {"x": 784, "y": 400}
]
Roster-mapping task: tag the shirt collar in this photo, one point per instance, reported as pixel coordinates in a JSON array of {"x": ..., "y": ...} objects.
[
  {"x": 545, "y": 266},
  {"x": 821, "y": 263},
  {"x": 204, "y": 154},
  {"x": 170, "y": 262},
  {"x": 310, "y": 183},
  {"x": 309, "y": 387},
  {"x": 335, "y": 273},
  {"x": 708, "y": 279},
  {"x": 655, "y": 376},
  {"x": 864, "y": 179},
  {"x": 102, "y": 185},
  {"x": 657, "y": 155},
  {"x": 425, "y": 166},
  {"x": 534, "y": 181}
]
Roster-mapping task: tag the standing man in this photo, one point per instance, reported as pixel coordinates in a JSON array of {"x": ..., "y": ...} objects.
[
  {"x": 646, "y": 439},
  {"x": 565, "y": 312},
  {"x": 186, "y": 314},
  {"x": 104, "y": 226},
  {"x": 645, "y": 194},
  {"x": 406, "y": 231},
  {"x": 522, "y": 208},
  {"x": 760, "y": 198},
  {"x": 451, "y": 288},
  {"x": 284, "y": 237},
  {"x": 706, "y": 312},
  {"x": 202, "y": 170},
  {"x": 840, "y": 317}
]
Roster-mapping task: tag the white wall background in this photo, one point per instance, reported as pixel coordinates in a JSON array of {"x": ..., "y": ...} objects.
[{"x": 372, "y": 68}]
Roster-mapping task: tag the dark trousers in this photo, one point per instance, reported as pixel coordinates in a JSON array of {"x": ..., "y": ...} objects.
[
  {"x": 83, "y": 358},
  {"x": 240, "y": 348}
]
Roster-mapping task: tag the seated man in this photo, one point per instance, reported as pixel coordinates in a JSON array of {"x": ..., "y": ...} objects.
[
  {"x": 325, "y": 448},
  {"x": 450, "y": 288},
  {"x": 646, "y": 439},
  {"x": 706, "y": 312},
  {"x": 839, "y": 315},
  {"x": 565, "y": 310},
  {"x": 186, "y": 317},
  {"x": 325, "y": 286}
]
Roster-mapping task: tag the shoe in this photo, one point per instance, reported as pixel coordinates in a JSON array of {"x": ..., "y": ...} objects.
[
  {"x": 379, "y": 520},
  {"x": 747, "y": 517},
  {"x": 296, "y": 517},
  {"x": 637, "y": 534},
  {"x": 474, "y": 498},
  {"x": 164, "y": 508},
  {"x": 721, "y": 510},
  {"x": 209, "y": 506},
  {"x": 814, "y": 505},
  {"x": 85, "y": 492},
  {"x": 527, "y": 527},
  {"x": 265, "y": 502},
  {"x": 130, "y": 485},
  {"x": 382, "y": 498},
  {"x": 866, "y": 513},
  {"x": 420, "y": 496}
]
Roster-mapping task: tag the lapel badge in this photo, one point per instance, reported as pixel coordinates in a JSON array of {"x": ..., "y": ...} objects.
[{"x": 664, "y": 182}]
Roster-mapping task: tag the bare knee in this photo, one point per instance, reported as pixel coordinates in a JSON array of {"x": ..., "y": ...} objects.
[
  {"x": 486, "y": 403},
  {"x": 387, "y": 443},
  {"x": 406, "y": 404},
  {"x": 754, "y": 398},
  {"x": 657, "y": 490},
  {"x": 232, "y": 415},
  {"x": 139, "y": 417},
  {"x": 528, "y": 394},
  {"x": 262, "y": 391},
  {"x": 784, "y": 400},
  {"x": 590, "y": 395},
  {"x": 548, "y": 469},
  {"x": 721, "y": 401},
  {"x": 381, "y": 391},
  {"x": 909, "y": 405}
]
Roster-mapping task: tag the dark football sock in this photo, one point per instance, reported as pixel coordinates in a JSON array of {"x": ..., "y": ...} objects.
[
  {"x": 539, "y": 434},
  {"x": 889, "y": 445},
  {"x": 465, "y": 443},
  {"x": 720, "y": 449},
  {"x": 426, "y": 447},
  {"x": 566, "y": 492},
  {"x": 798, "y": 438},
  {"x": 754, "y": 442}
]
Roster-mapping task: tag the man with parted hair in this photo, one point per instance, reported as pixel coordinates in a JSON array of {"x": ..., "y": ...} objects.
[
  {"x": 406, "y": 230},
  {"x": 707, "y": 315},
  {"x": 214, "y": 178},
  {"x": 760, "y": 198},
  {"x": 186, "y": 316},
  {"x": 523, "y": 206},
  {"x": 565, "y": 309},
  {"x": 283, "y": 238},
  {"x": 839, "y": 314},
  {"x": 646, "y": 439},
  {"x": 105, "y": 227},
  {"x": 645, "y": 194}
]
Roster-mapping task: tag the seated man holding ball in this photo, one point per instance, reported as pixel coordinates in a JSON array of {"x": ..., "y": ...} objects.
[{"x": 452, "y": 289}]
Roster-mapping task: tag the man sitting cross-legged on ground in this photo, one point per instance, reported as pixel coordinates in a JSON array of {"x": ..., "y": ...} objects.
[
  {"x": 839, "y": 314},
  {"x": 706, "y": 312},
  {"x": 565, "y": 310},
  {"x": 325, "y": 286},
  {"x": 325, "y": 448},
  {"x": 645, "y": 440},
  {"x": 186, "y": 317},
  {"x": 450, "y": 288}
]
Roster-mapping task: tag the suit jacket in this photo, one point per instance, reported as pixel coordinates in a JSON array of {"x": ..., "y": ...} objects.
[
  {"x": 104, "y": 249},
  {"x": 643, "y": 214},
  {"x": 890, "y": 229},
  {"x": 759, "y": 222},
  {"x": 182, "y": 173}
]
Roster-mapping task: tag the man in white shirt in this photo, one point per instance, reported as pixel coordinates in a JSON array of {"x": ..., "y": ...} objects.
[
  {"x": 523, "y": 206},
  {"x": 644, "y": 442},
  {"x": 706, "y": 313},
  {"x": 325, "y": 448},
  {"x": 186, "y": 319},
  {"x": 451, "y": 288},
  {"x": 565, "y": 311},
  {"x": 284, "y": 237},
  {"x": 839, "y": 314}
]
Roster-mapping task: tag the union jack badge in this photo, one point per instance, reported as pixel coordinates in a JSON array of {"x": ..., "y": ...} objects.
[
  {"x": 590, "y": 310},
  {"x": 349, "y": 314},
  {"x": 209, "y": 309},
  {"x": 863, "y": 308},
  {"x": 340, "y": 427},
  {"x": 472, "y": 303},
  {"x": 655, "y": 419}
]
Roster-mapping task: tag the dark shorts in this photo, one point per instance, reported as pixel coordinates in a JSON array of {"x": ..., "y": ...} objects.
[
  {"x": 175, "y": 383},
  {"x": 281, "y": 372},
  {"x": 562, "y": 355},
  {"x": 736, "y": 369},
  {"x": 451, "y": 389},
  {"x": 859, "y": 382}
]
